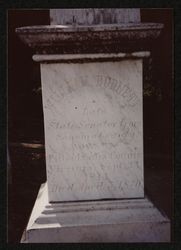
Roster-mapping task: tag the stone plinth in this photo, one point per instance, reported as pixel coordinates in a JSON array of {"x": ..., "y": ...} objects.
[
  {"x": 93, "y": 120},
  {"x": 134, "y": 220}
]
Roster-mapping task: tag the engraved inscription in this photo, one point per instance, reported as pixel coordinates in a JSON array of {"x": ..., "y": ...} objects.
[
  {"x": 119, "y": 88},
  {"x": 93, "y": 130}
]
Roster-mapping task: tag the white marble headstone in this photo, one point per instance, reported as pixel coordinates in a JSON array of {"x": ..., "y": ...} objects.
[{"x": 93, "y": 129}]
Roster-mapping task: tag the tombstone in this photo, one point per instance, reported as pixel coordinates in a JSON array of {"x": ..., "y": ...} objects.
[{"x": 92, "y": 83}]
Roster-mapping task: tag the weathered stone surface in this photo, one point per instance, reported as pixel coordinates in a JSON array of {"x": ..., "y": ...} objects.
[
  {"x": 134, "y": 220},
  {"x": 94, "y": 16},
  {"x": 90, "y": 38},
  {"x": 93, "y": 129}
]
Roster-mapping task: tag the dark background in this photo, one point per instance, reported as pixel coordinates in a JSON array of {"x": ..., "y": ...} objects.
[{"x": 25, "y": 119}]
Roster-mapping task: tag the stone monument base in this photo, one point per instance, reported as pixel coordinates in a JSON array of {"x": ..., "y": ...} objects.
[{"x": 129, "y": 220}]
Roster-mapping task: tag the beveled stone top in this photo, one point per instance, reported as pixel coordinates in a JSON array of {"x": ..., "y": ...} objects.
[
  {"x": 81, "y": 28},
  {"x": 85, "y": 38}
]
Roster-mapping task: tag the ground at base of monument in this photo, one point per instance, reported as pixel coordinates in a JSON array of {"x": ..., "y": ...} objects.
[{"x": 129, "y": 220}]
